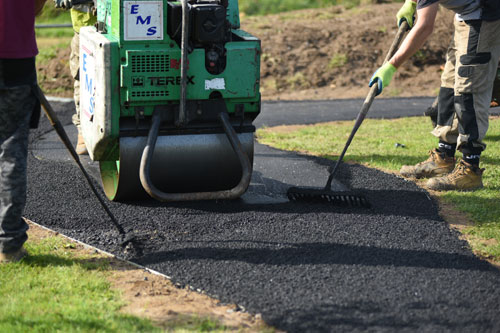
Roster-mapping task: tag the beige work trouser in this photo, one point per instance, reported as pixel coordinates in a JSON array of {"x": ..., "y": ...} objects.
[
  {"x": 74, "y": 66},
  {"x": 467, "y": 83}
]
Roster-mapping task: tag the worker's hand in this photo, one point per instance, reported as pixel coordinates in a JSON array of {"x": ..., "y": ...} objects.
[
  {"x": 383, "y": 76},
  {"x": 63, "y": 4},
  {"x": 407, "y": 13}
]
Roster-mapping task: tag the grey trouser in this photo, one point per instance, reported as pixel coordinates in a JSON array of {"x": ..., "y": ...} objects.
[
  {"x": 467, "y": 83},
  {"x": 74, "y": 66},
  {"x": 16, "y": 106}
]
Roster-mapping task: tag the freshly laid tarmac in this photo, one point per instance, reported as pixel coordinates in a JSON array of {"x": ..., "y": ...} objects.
[{"x": 305, "y": 268}]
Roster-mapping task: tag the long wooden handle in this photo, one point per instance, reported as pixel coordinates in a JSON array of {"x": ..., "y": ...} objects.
[
  {"x": 56, "y": 124},
  {"x": 368, "y": 101}
]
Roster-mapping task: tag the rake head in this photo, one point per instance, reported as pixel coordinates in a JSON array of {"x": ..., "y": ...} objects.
[{"x": 336, "y": 198}]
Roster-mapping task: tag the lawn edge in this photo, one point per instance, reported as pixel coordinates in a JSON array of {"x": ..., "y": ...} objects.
[{"x": 245, "y": 321}]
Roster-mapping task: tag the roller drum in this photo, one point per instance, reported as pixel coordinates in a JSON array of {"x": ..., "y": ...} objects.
[{"x": 181, "y": 164}]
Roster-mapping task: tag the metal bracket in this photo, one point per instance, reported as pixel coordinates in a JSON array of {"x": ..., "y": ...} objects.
[{"x": 139, "y": 115}]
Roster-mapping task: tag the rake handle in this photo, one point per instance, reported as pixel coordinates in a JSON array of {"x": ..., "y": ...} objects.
[
  {"x": 368, "y": 101},
  {"x": 56, "y": 124}
]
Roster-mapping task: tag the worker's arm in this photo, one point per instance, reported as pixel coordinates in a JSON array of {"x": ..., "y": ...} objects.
[
  {"x": 413, "y": 42},
  {"x": 417, "y": 36},
  {"x": 38, "y": 6}
]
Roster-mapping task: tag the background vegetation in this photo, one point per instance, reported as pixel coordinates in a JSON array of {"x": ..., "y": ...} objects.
[
  {"x": 263, "y": 7},
  {"x": 248, "y": 7}
]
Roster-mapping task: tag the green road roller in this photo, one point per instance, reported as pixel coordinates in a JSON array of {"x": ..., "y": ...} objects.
[{"x": 169, "y": 92}]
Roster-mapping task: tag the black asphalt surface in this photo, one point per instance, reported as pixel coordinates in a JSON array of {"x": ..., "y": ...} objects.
[
  {"x": 312, "y": 112},
  {"x": 396, "y": 267}
]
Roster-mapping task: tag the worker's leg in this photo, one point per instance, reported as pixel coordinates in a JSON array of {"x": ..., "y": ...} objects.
[
  {"x": 16, "y": 105},
  {"x": 441, "y": 160},
  {"x": 478, "y": 61},
  {"x": 74, "y": 65},
  {"x": 446, "y": 129},
  {"x": 477, "y": 52}
]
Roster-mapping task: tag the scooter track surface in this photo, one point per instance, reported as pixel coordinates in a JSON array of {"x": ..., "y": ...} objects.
[{"x": 305, "y": 268}]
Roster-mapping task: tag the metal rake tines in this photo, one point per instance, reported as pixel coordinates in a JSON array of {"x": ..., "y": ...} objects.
[{"x": 337, "y": 199}]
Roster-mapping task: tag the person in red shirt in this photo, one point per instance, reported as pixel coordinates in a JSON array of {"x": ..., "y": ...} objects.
[{"x": 19, "y": 110}]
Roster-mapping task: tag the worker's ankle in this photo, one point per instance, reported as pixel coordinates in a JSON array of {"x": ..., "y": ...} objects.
[
  {"x": 448, "y": 149},
  {"x": 472, "y": 159}
]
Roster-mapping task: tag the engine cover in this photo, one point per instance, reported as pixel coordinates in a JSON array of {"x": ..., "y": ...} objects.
[{"x": 209, "y": 24}]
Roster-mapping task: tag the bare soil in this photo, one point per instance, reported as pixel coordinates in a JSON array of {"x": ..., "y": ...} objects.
[
  {"x": 332, "y": 53},
  {"x": 320, "y": 54},
  {"x": 54, "y": 75},
  {"x": 154, "y": 297}
]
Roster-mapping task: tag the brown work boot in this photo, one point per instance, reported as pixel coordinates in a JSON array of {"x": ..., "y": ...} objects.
[
  {"x": 437, "y": 164},
  {"x": 12, "y": 256},
  {"x": 465, "y": 177},
  {"x": 81, "y": 149}
]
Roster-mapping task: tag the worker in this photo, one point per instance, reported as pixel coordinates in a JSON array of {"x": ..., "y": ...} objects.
[
  {"x": 466, "y": 87},
  {"x": 83, "y": 13},
  {"x": 19, "y": 110}
]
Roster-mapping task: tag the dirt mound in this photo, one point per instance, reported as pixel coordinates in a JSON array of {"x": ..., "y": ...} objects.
[
  {"x": 332, "y": 53},
  {"x": 320, "y": 54},
  {"x": 54, "y": 75}
]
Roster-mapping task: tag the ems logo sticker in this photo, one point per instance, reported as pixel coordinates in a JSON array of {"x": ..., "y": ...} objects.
[
  {"x": 87, "y": 82},
  {"x": 143, "y": 20}
]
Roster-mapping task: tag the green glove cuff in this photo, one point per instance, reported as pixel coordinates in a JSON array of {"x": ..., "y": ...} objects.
[
  {"x": 407, "y": 13},
  {"x": 383, "y": 76},
  {"x": 386, "y": 72}
]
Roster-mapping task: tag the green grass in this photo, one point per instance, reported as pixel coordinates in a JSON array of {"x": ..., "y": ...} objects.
[
  {"x": 374, "y": 145},
  {"x": 53, "y": 290},
  {"x": 49, "y": 52},
  {"x": 338, "y": 60},
  {"x": 54, "y": 33},
  {"x": 298, "y": 81},
  {"x": 264, "y": 7},
  {"x": 52, "y": 15}
]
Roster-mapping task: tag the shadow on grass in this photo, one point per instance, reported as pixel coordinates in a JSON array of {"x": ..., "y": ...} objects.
[
  {"x": 58, "y": 323},
  {"x": 394, "y": 159},
  {"x": 492, "y": 137},
  {"x": 53, "y": 260},
  {"x": 401, "y": 159},
  {"x": 482, "y": 210}
]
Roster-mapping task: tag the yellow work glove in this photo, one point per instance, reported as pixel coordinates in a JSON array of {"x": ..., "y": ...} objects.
[
  {"x": 407, "y": 13},
  {"x": 82, "y": 19},
  {"x": 383, "y": 76}
]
